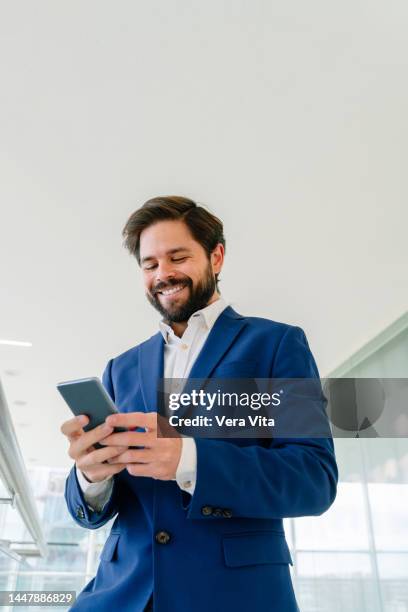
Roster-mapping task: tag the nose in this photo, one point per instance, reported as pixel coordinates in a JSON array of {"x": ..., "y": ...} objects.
[{"x": 164, "y": 272}]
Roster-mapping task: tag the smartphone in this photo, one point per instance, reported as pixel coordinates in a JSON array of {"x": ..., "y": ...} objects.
[{"x": 88, "y": 396}]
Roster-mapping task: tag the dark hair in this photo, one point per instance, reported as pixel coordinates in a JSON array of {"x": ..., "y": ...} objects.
[{"x": 205, "y": 227}]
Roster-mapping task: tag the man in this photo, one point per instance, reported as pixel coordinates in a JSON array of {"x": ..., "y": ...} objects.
[{"x": 198, "y": 521}]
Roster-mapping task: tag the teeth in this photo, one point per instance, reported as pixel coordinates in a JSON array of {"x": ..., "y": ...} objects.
[{"x": 173, "y": 290}]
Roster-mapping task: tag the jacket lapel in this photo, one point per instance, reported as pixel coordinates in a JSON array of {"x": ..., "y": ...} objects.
[
  {"x": 151, "y": 368},
  {"x": 222, "y": 335}
]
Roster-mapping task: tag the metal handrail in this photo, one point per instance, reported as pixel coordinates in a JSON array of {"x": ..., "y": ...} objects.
[
  {"x": 14, "y": 475},
  {"x": 5, "y": 549}
]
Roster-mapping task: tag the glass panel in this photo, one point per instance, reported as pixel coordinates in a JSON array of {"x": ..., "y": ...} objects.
[
  {"x": 393, "y": 565},
  {"x": 334, "y": 565},
  {"x": 96, "y": 558},
  {"x": 389, "y": 509},
  {"x": 71, "y": 557},
  {"x": 11, "y": 524},
  {"x": 333, "y": 582},
  {"x": 386, "y": 460},
  {"x": 287, "y": 526},
  {"x": 6, "y": 563},
  {"x": 48, "y": 486},
  {"x": 3, "y": 491},
  {"x": 393, "y": 570},
  {"x": 5, "y": 583},
  {"x": 349, "y": 459},
  {"x": 342, "y": 527}
]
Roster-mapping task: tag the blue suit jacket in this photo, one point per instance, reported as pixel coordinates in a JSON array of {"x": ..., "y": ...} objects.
[{"x": 225, "y": 546}]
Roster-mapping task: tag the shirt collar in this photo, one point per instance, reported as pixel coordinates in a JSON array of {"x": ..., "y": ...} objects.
[{"x": 209, "y": 314}]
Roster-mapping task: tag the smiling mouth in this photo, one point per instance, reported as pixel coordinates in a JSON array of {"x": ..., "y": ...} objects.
[{"x": 171, "y": 291}]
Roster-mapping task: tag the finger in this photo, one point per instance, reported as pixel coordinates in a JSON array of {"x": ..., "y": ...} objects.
[
  {"x": 73, "y": 426},
  {"x": 151, "y": 421},
  {"x": 130, "y": 456},
  {"x": 165, "y": 430},
  {"x": 113, "y": 469},
  {"x": 105, "y": 470},
  {"x": 130, "y": 438},
  {"x": 141, "y": 469},
  {"x": 119, "y": 449},
  {"x": 81, "y": 445},
  {"x": 75, "y": 436},
  {"x": 133, "y": 419},
  {"x": 98, "y": 456}
]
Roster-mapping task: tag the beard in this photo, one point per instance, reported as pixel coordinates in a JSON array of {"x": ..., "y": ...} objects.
[{"x": 198, "y": 297}]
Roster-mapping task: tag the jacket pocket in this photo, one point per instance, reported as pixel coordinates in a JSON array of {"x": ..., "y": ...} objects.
[
  {"x": 109, "y": 550},
  {"x": 255, "y": 548}
]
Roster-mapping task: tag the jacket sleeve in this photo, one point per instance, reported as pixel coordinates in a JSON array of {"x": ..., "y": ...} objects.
[
  {"x": 79, "y": 509},
  {"x": 284, "y": 477},
  {"x": 81, "y": 512}
]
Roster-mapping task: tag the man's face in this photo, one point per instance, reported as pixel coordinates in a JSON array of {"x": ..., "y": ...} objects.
[{"x": 179, "y": 279}]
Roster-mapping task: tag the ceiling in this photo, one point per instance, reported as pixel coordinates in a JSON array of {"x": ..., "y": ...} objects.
[{"x": 287, "y": 119}]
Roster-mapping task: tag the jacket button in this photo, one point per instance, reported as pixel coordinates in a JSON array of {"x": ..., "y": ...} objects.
[
  {"x": 227, "y": 513},
  {"x": 217, "y": 512},
  {"x": 162, "y": 537},
  {"x": 80, "y": 512},
  {"x": 206, "y": 510}
]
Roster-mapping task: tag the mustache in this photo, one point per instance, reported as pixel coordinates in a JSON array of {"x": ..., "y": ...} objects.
[{"x": 163, "y": 286}]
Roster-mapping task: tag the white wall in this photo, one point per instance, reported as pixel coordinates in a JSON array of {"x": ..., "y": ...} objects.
[{"x": 287, "y": 118}]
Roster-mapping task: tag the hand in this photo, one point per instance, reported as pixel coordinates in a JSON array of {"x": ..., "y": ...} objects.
[
  {"x": 87, "y": 458},
  {"x": 160, "y": 456}
]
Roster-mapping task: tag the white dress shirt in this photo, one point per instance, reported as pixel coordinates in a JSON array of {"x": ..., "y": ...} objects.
[{"x": 179, "y": 357}]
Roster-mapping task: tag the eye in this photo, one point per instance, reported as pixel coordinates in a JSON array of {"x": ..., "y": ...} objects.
[
  {"x": 180, "y": 259},
  {"x": 150, "y": 267}
]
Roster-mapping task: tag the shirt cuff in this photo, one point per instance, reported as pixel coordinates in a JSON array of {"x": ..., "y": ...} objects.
[
  {"x": 96, "y": 494},
  {"x": 186, "y": 474}
]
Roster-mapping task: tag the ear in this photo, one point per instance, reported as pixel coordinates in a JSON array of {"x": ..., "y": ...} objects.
[{"x": 217, "y": 258}]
